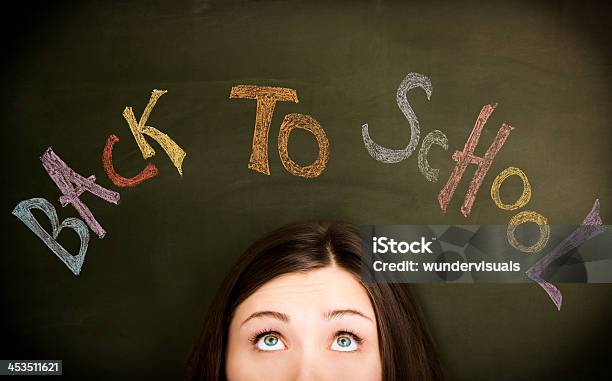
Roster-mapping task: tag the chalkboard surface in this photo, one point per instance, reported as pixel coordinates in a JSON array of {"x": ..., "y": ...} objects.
[{"x": 70, "y": 70}]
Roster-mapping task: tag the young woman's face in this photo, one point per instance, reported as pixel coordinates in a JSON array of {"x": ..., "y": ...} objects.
[{"x": 318, "y": 325}]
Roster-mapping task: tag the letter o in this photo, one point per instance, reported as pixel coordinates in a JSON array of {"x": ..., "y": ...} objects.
[
  {"x": 529, "y": 216},
  {"x": 525, "y": 197},
  {"x": 308, "y": 123}
]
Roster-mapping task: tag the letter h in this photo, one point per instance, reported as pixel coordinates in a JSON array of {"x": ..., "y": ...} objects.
[{"x": 465, "y": 157}]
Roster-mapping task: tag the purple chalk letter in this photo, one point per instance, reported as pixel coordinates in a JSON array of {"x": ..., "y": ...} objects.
[
  {"x": 591, "y": 226},
  {"x": 72, "y": 185}
]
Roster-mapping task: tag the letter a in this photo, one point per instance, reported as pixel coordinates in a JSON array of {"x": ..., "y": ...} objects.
[{"x": 72, "y": 185}]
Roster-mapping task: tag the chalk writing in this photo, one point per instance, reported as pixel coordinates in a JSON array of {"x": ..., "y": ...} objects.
[
  {"x": 306, "y": 122},
  {"x": 465, "y": 157},
  {"x": 388, "y": 155},
  {"x": 139, "y": 129},
  {"x": 72, "y": 185},
  {"x": 524, "y": 217},
  {"x": 503, "y": 175},
  {"x": 266, "y": 100},
  {"x": 434, "y": 137},
  {"x": 592, "y": 226},
  {"x": 107, "y": 162},
  {"x": 23, "y": 212}
]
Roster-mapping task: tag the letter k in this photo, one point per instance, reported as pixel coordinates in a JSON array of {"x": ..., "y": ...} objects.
[{"x": 425, "y": 246}]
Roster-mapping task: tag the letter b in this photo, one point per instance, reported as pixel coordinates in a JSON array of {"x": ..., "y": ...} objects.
[{"x": 23, "y": 212}]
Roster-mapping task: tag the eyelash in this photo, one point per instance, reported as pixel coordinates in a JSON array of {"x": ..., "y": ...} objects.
[
  {"x": 351, "y": 333},
  {"x": 259, "y": 334}
]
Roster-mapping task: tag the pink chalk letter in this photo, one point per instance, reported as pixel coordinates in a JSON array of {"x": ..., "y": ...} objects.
[{"x": 465, "y": 157}]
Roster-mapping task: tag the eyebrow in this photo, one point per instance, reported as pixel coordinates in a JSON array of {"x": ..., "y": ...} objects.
[
  {"x": 333, "y": 314},
  {"x": 273, "y": 314},
  {"x": 329, "y": 315}
]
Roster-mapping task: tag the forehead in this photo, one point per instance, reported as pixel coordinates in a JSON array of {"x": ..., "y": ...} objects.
[{"x": 317, "y": 290}]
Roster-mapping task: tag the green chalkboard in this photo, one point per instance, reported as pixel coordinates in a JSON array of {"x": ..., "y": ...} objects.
[{"x": 69, "y": 70}]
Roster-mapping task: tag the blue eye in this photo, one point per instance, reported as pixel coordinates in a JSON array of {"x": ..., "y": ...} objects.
[
  {"x": 345, "y": 343},
  {"x": 269, "y": 342}
]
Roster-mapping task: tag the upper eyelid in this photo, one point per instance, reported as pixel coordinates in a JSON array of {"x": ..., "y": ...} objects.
[
  {"x": 342, "y": 332},
  {"x": 258, "y": 337},
  {"x": 358, "y": 341}
]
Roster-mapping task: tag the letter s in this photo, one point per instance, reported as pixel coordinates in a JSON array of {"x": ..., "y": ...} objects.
[{"x": 388, "y": 155}]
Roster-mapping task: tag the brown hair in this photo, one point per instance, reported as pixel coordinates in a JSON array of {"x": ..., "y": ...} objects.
[{"x": 406, "y": 348}]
